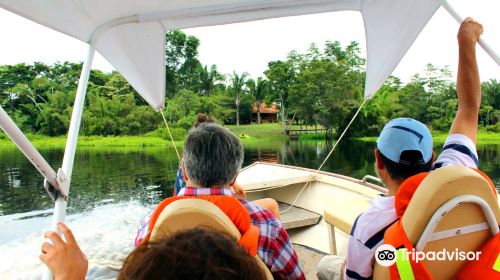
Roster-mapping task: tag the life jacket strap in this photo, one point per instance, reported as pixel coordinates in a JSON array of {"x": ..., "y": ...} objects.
[
  {"x": 403, "y": 264},
  {"x": 496, "y": 265}
]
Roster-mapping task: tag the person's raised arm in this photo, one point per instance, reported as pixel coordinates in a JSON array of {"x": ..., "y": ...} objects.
[{"x": 468, "y": 83}]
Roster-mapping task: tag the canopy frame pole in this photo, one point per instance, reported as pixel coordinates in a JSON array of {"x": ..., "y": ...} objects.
[
  {"x": 486, "y": 47},
  {"x": 55, "y": 189},
  {"x": 69, "y": 152}
]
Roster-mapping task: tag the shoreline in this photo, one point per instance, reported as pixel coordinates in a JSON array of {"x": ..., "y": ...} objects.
[
  {"x": 483, "y": 138},
  {"x": 250, "y": 135}
]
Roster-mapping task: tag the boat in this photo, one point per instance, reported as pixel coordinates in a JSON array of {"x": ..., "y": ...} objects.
[
  {"x": 130, "y": 35},
  {"x": 304, "y": 196}
]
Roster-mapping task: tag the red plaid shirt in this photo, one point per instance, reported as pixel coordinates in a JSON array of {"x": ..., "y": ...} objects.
[{"x": 275, "y": 248}]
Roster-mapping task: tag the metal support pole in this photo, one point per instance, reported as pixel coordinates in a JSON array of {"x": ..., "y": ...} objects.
[
  {"x": 31, "y": 153},
  {"x": 486, "y": 47},
  {"x": 69, "y": 153}
]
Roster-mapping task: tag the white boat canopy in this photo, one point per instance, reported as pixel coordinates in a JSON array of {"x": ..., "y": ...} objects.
[{"x": 131, "y": 34}]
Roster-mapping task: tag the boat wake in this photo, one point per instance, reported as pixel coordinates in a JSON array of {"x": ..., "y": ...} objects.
[{"x": 106, "y": 234}]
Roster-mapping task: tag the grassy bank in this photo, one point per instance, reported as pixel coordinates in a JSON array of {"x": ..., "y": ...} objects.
[
  {"x": 95, "y": 141},
  {"x": 254, "y": 135},
  {"x": 250, "y": 135},
  {"x": 484, "y": 138},
  {"x": 266, "y": 131}
]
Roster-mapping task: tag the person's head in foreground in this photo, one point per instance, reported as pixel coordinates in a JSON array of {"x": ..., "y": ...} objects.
[
  {"x": 404, "y": 149},
  {"x": 212, "y": 156},
  {"x": 198, "y": 253}
]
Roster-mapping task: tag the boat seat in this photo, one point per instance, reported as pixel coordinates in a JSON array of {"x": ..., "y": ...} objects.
[
  {"x": 341, "y": 213},
  {"x": 189, "y": 213},
  {"x": 296, "y": 217},
  {"x": 442, "y": 215}
]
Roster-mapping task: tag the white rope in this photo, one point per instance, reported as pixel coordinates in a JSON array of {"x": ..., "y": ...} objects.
[
  {"x": 327, "y": 157},
  {"x": 342, "y": 135},
  {"x": 170, "y": 134}
]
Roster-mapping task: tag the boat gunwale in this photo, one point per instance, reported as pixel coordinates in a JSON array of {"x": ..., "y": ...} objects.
[{"x": 325, "y": 173}]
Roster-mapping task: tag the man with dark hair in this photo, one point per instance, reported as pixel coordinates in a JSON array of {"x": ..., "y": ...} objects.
[
  {"x": 404, "y": 149},
  {"x": 212, "y": 160}
]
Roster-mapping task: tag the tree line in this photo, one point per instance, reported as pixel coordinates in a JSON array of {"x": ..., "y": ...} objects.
[{"x": 323, "y": 87}]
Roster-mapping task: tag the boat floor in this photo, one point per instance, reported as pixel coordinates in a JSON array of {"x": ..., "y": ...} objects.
[
  {"x": 296, "y": 217},
  {"x": 309, "y": 259}
]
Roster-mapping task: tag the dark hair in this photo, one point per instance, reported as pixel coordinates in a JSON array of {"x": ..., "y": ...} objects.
[
  {"x": 202, "y": 118},
  {"x": 198, "y": 253},
  {"x": 212, "y": 155},
  {"x": 410, "y": 163}
]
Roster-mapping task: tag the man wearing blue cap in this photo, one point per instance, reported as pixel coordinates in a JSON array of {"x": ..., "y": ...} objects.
[{"x": 404, "y": 149}]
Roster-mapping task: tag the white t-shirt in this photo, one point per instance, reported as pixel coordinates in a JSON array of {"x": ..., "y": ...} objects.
[{"x": 367, "y": 233}]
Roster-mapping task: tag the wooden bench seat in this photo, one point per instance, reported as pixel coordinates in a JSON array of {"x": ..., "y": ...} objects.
[
  {"x": 297, "y": 217},
  {"x": 341, "y": 214}
]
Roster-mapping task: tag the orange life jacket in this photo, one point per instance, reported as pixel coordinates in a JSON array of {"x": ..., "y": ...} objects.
[
  {"x": 488, "y": 265},
  {"x": 396, "y": 236},
  {"x": 232, "y": 207}
]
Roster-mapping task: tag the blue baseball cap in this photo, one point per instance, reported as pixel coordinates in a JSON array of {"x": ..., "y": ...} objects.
[{"x": 405, "y": 134}]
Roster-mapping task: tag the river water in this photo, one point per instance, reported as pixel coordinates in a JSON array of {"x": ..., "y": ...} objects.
[{"x": 113, "y": 188}]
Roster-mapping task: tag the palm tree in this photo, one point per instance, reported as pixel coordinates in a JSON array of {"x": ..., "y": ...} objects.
[
  {"x": 237, "y": 84},
  {"x": 209, "y": 79},
  {"x": 259, "y": 90}
]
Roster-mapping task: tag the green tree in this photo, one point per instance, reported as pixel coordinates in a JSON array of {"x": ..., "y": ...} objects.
[
  {"x": 491, "y": 93},
  {"x": 281, "y": 76},
  {"x": 320, "y": 87},
  {"x": 380, "y": 109},
  {"x": 490, "y": 107},
  {"x": 259, "y": 89},
  {"x": 219, "y": 106},
  {"x": 237, "y": 87},
  {"x": 209, "y": 79},
  {"x": 10, "y": 77},
  {"x": 185, "y": 103},
  {"x": 328, "y": 86},
  {"x": 324, "y": 94},
  {"x": 54, "y": 118},
  {"x": 181, "y": 62}
]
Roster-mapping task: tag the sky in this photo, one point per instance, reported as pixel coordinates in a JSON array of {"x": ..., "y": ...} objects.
[{"x": 250, "y": 46}]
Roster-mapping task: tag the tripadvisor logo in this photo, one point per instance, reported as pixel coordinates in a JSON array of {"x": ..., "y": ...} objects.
[{"x": 385, "y": 255}]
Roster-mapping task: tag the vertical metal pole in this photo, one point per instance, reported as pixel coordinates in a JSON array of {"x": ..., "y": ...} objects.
[
  {"x": 486, "y": 47},
  {"x": 74, "y": 127},
  {"x": 69, "y": 153}
]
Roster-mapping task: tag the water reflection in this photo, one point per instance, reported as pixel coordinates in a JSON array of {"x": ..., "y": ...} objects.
[
  {"x": 351, "y": 158},
  {"x": 146, "y": 175},
  {"x": 113, "y": 188},
  {"x": 99, "y": 177}
]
